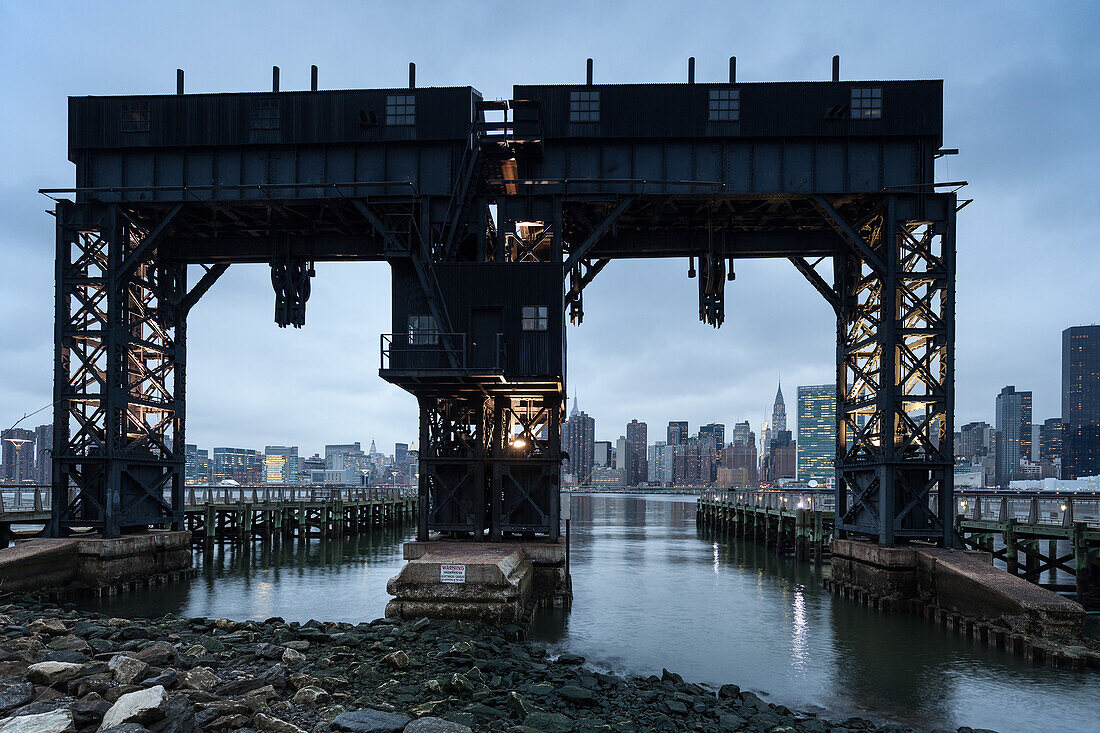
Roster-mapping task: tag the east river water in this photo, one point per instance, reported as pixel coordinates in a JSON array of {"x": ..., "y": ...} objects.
[{"x": 652, "y": 591}]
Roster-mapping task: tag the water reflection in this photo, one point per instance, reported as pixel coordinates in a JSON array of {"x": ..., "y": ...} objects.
[{"x": 653, "y": 591}]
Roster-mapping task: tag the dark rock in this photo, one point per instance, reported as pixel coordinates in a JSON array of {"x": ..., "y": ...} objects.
[
  {"x": 569, "y": 659},
  {"x": 179, "y": 717},
  {"x": 167, "y": 679},
  {"x": 672, "y": 677},
  {"x": 15, "y": 696},
  {"x": 548, "y": 722},
  {"x": 125, "y": 728},
  {"x": 89, "y": 710},
  {"x": 577, "y": 695},
  {"x": 269, "y": 651},
  {"x": 66, "y": 655},
  {"x": 370, "y": 721},
  {"x": 729, "y": 692},
  {"x": 158, "y": 654}
]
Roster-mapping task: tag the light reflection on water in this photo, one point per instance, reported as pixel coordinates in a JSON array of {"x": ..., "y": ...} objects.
[{"x": 652, "y": 591}]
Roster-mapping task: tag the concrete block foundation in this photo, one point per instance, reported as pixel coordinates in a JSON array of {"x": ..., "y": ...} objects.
[
  {"x": 92, "y": 564},
  {"x": 497, "y": 583},
  {"x": 961, "y": 590}
]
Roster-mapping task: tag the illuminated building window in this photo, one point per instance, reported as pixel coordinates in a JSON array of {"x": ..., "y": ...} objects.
[
  {"x": 400, "y": 109},
  {"x": 584, "y": 106},
  {"x": 135, "y": 117},
  {"x": 867, "y": 103},
  {"x": 423, "y": 331},
  {"x": 724, "y": 105},
  {"x": 535, "y": 317},
  {"x": 265, "y": 114}
]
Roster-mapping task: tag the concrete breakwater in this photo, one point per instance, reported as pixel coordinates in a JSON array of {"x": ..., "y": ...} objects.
[{"x": 65, "y": 670}]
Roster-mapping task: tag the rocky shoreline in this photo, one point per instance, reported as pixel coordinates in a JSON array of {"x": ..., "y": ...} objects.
[{"x": 65, "y": 670}]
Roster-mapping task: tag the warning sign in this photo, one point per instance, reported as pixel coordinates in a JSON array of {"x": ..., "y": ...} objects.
[{"x": 452, "y": 573}]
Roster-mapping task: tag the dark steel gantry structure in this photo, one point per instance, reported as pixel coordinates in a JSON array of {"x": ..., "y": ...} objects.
[{"x": 494, "y": 217}]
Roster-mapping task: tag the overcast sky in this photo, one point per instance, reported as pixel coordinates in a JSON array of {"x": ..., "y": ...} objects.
[{"x": 1021, "y": 104}]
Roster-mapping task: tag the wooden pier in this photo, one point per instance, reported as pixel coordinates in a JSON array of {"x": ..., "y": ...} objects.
[{"x": 788, "y": 522}]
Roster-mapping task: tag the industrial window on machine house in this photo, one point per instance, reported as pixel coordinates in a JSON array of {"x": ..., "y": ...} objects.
[
  {"x": 584, "y": 106},
  {"x": 867, "y": 103},
  {"x": 535, "y": 317},
  {"x": 423, "y": 331},
  {"x": 724, "y": 105},
  {"x": 400, "y": 109},
  {"x": 135, "y": 117}
]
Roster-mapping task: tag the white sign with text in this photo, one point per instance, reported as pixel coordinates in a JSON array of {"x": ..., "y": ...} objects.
[{"x": 452, "y": 573}]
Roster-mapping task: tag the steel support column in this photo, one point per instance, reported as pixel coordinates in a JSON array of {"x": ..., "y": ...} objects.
[
  {"x": 118, "y": 376},
  {"x": 895, "y": 372}
]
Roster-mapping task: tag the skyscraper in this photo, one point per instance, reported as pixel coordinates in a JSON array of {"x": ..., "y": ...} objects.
[
  {"x": 602, "y": 454},
  {"x": 975, "y": 440},
  {"x": 816, "y": 451},
  {"x": 1013, "y": 438},
  {"x": 622, "y": 459},
  {"x": 18, "y": 455},
  {"x": 196, "y": 471},
  {"x": 661, "y": 456},
  {"x": 1081, "y": 401},
  {"x": 742, "y": 433},
  {"x": 779, "y": 413},
  {"x": 677, "y": 432},
  {"x": 281, "y": 464},
  {"x": 637, "y": 441},
  {"x": 780, "y": 462},
  {"x": 43, "y": 454},
  {"x": 578, "y": 437},
  {"x": 1050, "y": 440}
]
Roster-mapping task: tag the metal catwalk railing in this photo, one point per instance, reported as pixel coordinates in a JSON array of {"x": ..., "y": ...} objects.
[{"x": 36, "y": 498}]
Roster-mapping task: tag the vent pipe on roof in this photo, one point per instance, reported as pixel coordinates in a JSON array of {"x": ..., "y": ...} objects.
[
  {"x": 313, "y": 78},
  {"x": 691, "y": 70},
  {"x": 733, "y": 69},
  {"x": 412, "y": 75},
  {"x": 274, "y": 78},
  {"x": 179, "y": 81},
  {"x": 588, "y": 74},
  {"x": 836, "y": 68}
]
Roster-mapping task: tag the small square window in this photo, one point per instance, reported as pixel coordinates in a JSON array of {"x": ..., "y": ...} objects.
[
  {"x": 265, "y": 114},
  {"x": 724, "y": 105},
  {"x": 584, "y": 106},
  {"x": 535, "y": 317},
  {"x": 135, "y": 117},
  {"x": 400, "y": 109},
  {"x": 423, "y": 331},
  {"x": 866, "y": 103}
]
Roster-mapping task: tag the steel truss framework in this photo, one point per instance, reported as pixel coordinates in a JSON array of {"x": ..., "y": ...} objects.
[{"x": 490, "y": 445}]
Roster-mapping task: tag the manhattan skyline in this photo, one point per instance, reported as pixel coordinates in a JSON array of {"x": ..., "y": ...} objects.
[{"x": 641, "y": 352}]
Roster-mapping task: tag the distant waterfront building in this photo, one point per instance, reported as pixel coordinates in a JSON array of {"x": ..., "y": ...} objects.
[
  {"x": 197, "y": 467},
  {"x": 1050, "y": 440},
  {"x": 1013, "y": 439},
  {"x": 601, "y": 455},
  {"x": 816, "y": 452},
  {"x": 975, "y": 440},
  {"x": 661, "y": 456},
  {"x": 622, "y": 458},
  {"x": 345, "y": 456},
  {"x": 578, "y": 437},
  {"x": 1081, "y": 401},
  {"x": 742, "y": 457},
  {"x": 43, "y": 454},
  {"x": 780, "y": 463},
  {"x": 637, "y": 441},
  {"x": 677, "y": 432},
  {"x": 400, "y": 453},
  {"x": 18, "y": 456},
  {"x": 281, "y": 464},
  {"x": 242, "y": 465}
]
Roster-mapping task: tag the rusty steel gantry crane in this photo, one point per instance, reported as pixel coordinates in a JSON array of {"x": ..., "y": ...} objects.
[{"x": 494, "y": 216}]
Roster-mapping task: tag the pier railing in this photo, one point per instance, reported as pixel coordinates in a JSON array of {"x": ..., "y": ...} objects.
[{"x": 34, "y": 499}]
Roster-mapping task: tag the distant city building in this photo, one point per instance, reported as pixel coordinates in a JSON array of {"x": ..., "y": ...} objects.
[
  {"x": 975, "y": 440},
  {"x": 602, "y": 453},
  {"x": 196, "y": 470},
  {"x": 1081, "y": 401},
  {"x": 280, "y": 464},
  {"x": 578, "y": 437},
  {"x": 742, "y": 433},
  {"x": 400, "y": 453},
  {"x": 43, "y": 454},
  {"x": 18, "y": 456},
  {"x": 346, "y": 477},
  {"x": 780, "y": 463},
  {"x": 242, "y": 465},
  {"x": 1013, "y": 437},
  {"x": 661, "y": 456},
  {"x": 350, "y": 456},
  {"x": 677, "y": 432},
  {"x": 306, "y": 467},
  {"x": 622, "y": 458},
  {"x": 1050, "y": 440},
  {"x": 1035, "y": 438},
  {"x": 779, "y": 413},
  {"x": 743, "y": 457},
  {"x": 637, "y": 441},
  {"x": 606, "y": 476},
  {"x": 816, "y": 451}
]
